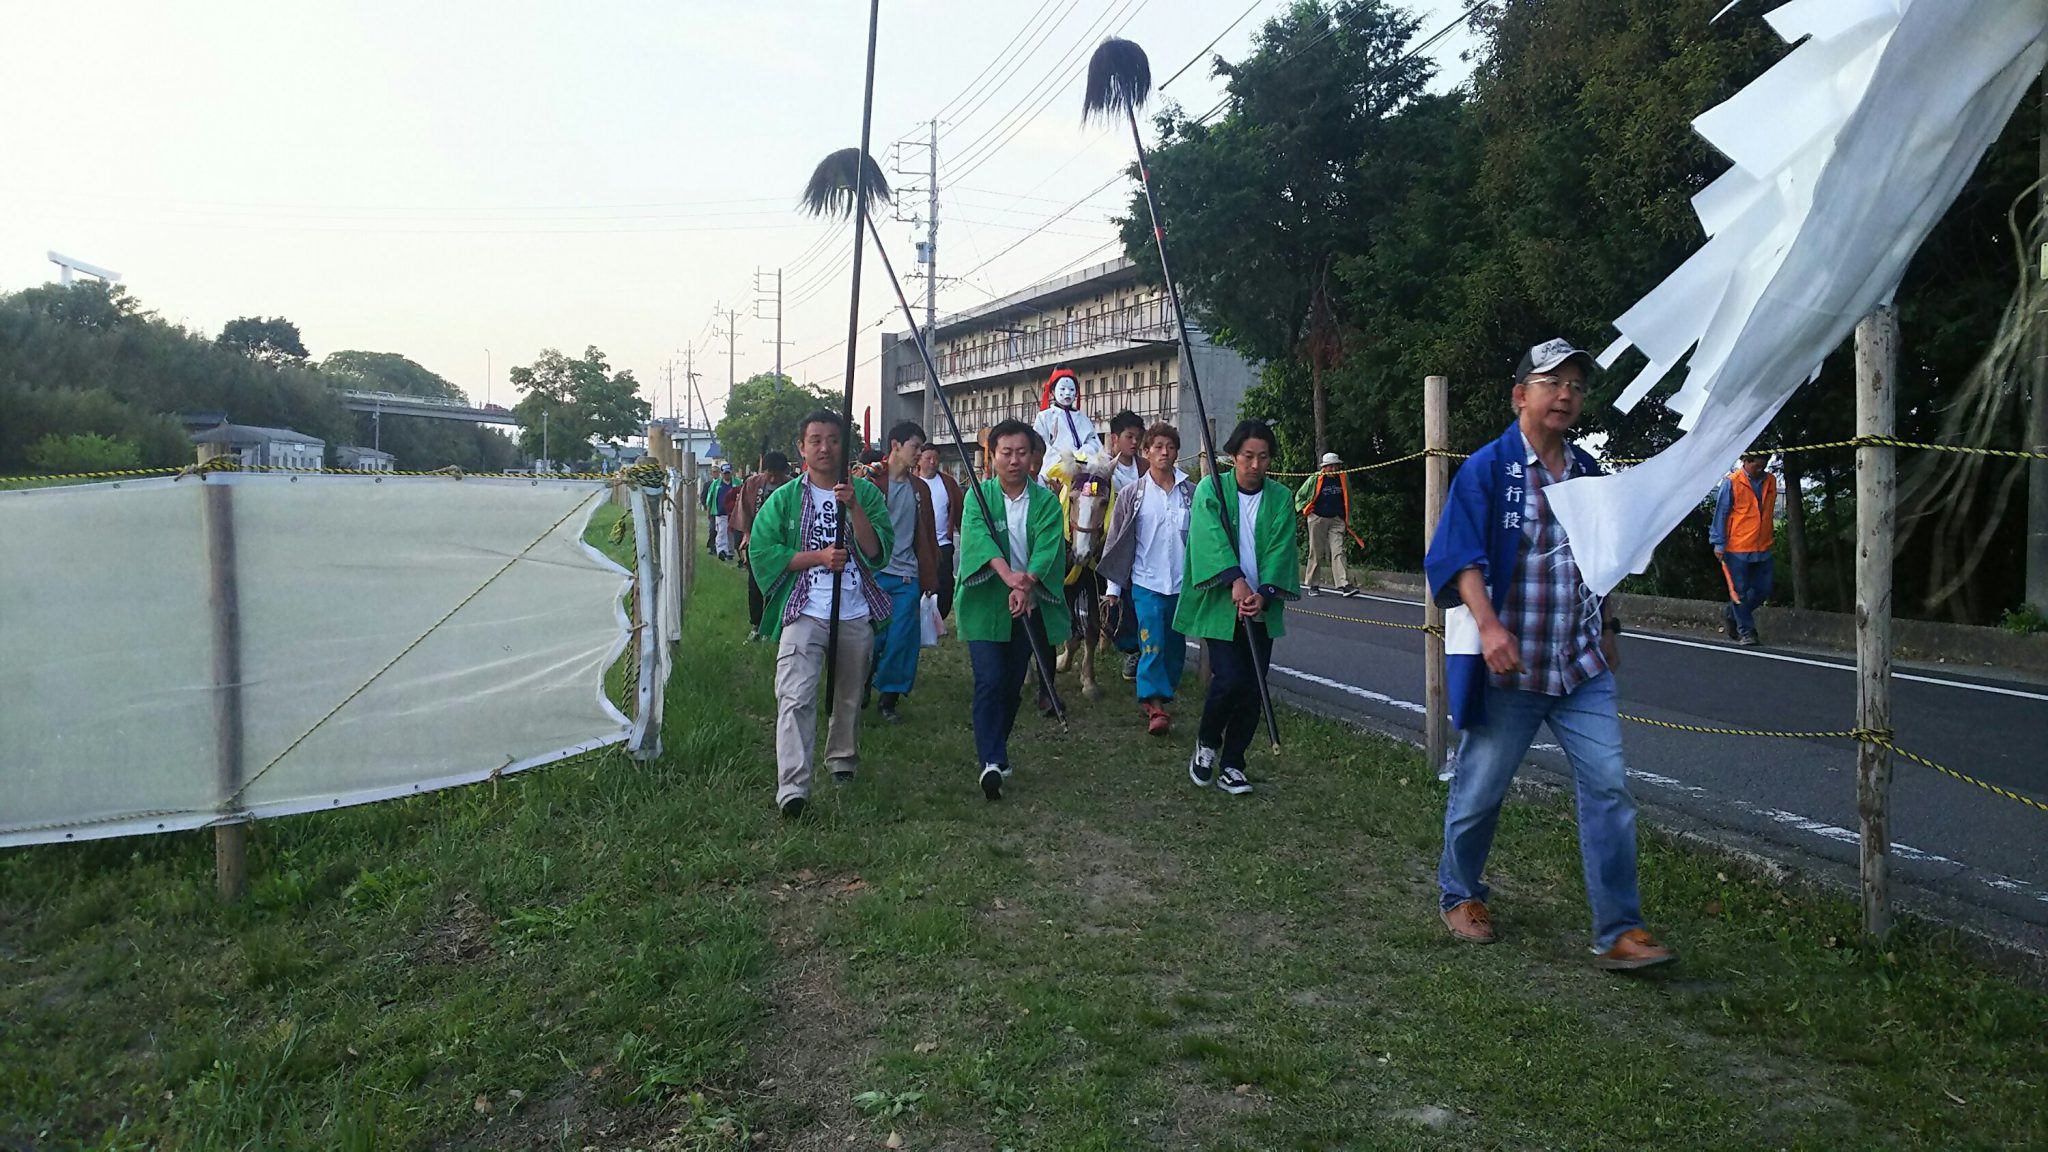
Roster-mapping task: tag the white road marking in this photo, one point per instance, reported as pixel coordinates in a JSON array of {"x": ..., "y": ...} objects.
[
  {"x": 1781, "y": 657},
  {"x": 1776, "y": 815}
]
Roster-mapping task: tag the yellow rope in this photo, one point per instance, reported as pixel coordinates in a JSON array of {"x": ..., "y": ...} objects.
[{"x": 1882, "y": 739}]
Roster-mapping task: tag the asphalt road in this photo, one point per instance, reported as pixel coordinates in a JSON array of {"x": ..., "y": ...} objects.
[{"x": 1960, "y": 852}]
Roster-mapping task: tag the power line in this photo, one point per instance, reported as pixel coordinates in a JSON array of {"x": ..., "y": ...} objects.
[
  {"x": 1211, "y": 44},
  {"x": 995, "y": 60},
  {"x": 1050, "y": 87},
  {"x": 1022, "y": 59}
]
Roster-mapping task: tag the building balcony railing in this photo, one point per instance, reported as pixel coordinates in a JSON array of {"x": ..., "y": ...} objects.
[
  {"x": 1144, "y": 322},
  {"x": 1152, "y": 405}
]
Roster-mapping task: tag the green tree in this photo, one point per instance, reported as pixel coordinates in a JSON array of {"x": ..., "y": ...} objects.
[
  {"x": 570, "y": 403},
  {"x": 82, "y": 452},
  {"x": 762, "y": 415},
  {"x": 386, "y": 372},
  {"x": 273, "y": 341}
]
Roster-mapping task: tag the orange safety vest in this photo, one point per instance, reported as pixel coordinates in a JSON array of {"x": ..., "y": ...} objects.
[
  {"x": 1343, "y": 486},
  {"x": 1749, "y": 526}
]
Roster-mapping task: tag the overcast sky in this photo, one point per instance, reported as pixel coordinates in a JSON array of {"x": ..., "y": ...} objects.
[{"x": 444, "y": 178}]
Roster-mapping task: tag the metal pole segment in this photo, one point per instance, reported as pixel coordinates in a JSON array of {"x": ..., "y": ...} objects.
[{"x": 1040, "y": 657}]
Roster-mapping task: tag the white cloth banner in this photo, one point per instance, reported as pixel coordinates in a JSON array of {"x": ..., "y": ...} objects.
[
  {"x": 107, "y": 694},
  {"x": 1846, "y": 153}
]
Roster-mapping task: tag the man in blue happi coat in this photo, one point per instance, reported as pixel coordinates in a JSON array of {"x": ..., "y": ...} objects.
[{"x": 1528, "y": 643}]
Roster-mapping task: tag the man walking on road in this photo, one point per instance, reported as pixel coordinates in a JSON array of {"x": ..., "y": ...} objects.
[
  {"x": 913, "y": 567},
  {"x": 946, "y": 508},
  {"x": 1745, "y": 512},
  {"x": 1010, "y": 575},
  {"x": 1142, "y": 563},
  {"x": 1530, "y": 644},
  {"x": 754, "y": 491},
  {"x": 1325, "y": 498},
  {"x": 796, "y": 555}
]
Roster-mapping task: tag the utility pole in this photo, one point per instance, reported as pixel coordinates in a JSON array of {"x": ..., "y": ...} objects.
[
  {"x": 760, "y": 298},
  {"x": 928, "y": 248},
  {"x": 690, "y": 383},
  {"x": 671, "y": 375},
  {"x": 1877, "y": 368},
  {"x": 731, "y": 333}
]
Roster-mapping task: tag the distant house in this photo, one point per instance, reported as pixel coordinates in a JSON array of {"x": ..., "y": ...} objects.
[
  {"x": 350, "y": 458},
  {"x": 258, "y": 447}
]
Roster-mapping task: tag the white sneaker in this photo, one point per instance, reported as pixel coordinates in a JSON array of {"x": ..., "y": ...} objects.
[
  {"x": 1234, "y": 781},
  {"x": 992, "y": 781},
  {"x": 1202, "y": 766}
]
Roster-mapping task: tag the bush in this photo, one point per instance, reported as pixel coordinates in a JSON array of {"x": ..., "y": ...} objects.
[
  {"x": 83, "y": 452},
  {"x": 2025, "y": 621}
]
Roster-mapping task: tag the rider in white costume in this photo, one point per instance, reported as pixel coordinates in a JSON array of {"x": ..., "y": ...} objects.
[{"x": 1068, "y": 431}]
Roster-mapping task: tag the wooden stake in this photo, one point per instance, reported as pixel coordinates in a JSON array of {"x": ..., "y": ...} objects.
[
  {"x": 1877, "y": 367},
  {"x": 230, "y": 841},
  {"x": 1436, "y": 470},
  {"x": 686, "y": 512}
]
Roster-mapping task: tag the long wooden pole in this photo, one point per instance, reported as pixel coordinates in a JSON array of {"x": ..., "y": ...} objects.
[
  {"x": 1436, "y": 471},
  {"x": 1877, "y": 367},
  {"x": 223, "y": 600}
]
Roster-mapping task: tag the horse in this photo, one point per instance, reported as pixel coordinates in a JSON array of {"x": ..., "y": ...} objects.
[{"x": 1085, "y": 500}]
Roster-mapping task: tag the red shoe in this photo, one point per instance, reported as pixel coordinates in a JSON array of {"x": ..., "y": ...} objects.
[{"x": 1157, "y": 722}]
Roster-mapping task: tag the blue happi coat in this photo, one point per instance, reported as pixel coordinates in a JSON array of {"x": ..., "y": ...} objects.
[{"x": 1481, "y": 527}]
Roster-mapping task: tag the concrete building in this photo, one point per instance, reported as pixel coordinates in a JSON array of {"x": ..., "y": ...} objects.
[
  {"x": 1113, "y": 331},
  {"x": 351, "y": 458},
  {"x": 259, "y": 447}
]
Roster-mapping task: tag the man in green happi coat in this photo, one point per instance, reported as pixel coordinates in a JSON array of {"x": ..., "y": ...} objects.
[
  {"x": 1012, "y": 574},
  {"x": 796, "y": 556},
  {"x": 1233, "y": 595}
]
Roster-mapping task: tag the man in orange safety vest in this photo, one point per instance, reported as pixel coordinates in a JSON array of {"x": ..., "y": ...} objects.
[{"x": 1745, "y": 509}]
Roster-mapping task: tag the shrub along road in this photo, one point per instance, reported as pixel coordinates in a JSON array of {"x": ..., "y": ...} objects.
[{"x": 616, "y": 955}]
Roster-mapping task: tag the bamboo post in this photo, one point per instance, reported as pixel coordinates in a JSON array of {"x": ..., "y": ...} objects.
[
  {"x": 217, "y": 513},
  {"x": 686, "y": 512},
  {"x": 1436, "y": 471},
  {"x": 1877, "y": 366}
]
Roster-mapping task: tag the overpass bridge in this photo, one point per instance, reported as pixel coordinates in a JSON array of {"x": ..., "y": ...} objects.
[{"x": 394, "y": 404}]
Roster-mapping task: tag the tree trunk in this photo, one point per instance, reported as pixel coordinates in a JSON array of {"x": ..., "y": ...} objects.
[
  {"x": 1839, "y": 562},
  {"x": 1322, "y": 407},
  {"x": 1795, "y": 532}
]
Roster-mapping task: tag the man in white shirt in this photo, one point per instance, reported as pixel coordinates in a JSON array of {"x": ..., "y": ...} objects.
[
  {"x": 946, "y": 509},
  {"x": 1143, "y": 564}
]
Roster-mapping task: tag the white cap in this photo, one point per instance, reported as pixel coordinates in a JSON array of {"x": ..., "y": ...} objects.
[{"x": 1330, "y": 458}]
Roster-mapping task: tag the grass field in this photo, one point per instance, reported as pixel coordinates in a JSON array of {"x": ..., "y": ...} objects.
[{"x": 625, "y": 955}]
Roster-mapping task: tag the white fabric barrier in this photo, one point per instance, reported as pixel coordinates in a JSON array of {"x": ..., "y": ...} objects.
[
  {"x": 107, "y": 697},
  {"x": 1846, "y": 153}
]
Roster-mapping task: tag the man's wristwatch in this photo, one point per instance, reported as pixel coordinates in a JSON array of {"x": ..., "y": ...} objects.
[{"x": 1611, "y": 624}]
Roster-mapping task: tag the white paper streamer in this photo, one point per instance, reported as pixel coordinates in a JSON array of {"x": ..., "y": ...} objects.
[{"x": 1846, "y": 153}]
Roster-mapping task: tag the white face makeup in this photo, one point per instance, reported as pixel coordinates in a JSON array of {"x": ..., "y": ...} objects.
[{"x": 1066, "y": 393}]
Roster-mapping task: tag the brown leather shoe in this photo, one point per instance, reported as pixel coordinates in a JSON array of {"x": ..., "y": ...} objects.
[
  {"x": 1470, "y": 922},
  {"x": 1635, "y": 949}
]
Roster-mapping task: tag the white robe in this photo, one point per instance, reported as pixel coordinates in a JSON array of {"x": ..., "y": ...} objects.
[{"x": 1066, "y": 430}]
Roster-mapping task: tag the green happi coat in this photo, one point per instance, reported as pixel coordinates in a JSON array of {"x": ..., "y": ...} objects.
[
  {"x": 981, "y": 604},
  {"x": 1206, "y": 609},
  {"x": 777, "y": 536}
]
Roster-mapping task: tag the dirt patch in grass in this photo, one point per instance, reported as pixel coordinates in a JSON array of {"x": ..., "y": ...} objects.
[{"x": 460, "y": 935}]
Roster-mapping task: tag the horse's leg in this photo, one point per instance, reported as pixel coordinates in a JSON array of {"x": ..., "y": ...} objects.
[{"x": 1093, "y": 598}]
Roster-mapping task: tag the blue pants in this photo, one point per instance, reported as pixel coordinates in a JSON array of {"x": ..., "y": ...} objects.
[
  {"x": 1163, "y": 652},
  {"x": 1588, "y": 726},
  {"x": 1231, "y": 715},
  {"x": 896, "y": 655},
  {"x": 999, "y": 667},
  {"x": 1749, "y": 576}
]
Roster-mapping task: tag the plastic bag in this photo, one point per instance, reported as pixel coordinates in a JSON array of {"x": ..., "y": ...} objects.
[{"x": 930, "y": 626}]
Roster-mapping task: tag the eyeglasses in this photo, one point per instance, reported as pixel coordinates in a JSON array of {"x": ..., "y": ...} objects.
[{"x": 1578, "y": 387}]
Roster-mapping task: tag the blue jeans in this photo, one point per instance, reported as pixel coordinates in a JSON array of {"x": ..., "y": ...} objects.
[
  {"x": 896, "y": 651},
  {"x": 1162, "y": 652},
  {"x": 1588, "y": 726},
  {"x": 999, "y": 667},
  {"x": 1231, "y": 714},
  {"x": 1749, "y": 581}
]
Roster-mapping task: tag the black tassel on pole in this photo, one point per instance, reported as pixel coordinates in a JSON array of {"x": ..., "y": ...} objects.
[
  {"x": 831, "y": 192},
  {"x": 1119, "y": 82}
]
